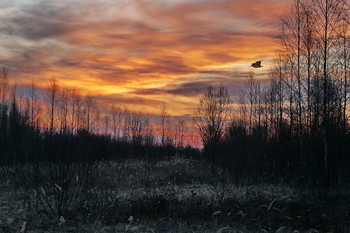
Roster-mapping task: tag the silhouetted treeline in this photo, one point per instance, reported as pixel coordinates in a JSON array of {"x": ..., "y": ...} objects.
[
  {"x": 23, "y": 143},
  {"x": 294, "y": 126},
  {"x": 68, "y": 127}
]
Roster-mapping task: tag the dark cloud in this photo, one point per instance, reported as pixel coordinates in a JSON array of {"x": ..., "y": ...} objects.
[
  {"x": 34, "y": 28},
  {"x": 185, "y": 89},
  {"x": 196, "y": 87},
  {"x": 127, "y": 100},
  {"x": 137, "y": 45},
  {"x": 39, "y": 21},
  {"x": 69, "y": 62}
]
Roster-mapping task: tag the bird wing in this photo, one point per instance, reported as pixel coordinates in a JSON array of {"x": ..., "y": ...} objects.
[{"x": 256, "y": 64}]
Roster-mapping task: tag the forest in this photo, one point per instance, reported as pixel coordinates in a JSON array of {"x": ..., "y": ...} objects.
[{"x": 276, "y": 159}]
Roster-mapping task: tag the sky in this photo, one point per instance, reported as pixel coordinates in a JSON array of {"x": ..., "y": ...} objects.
[{"x": 139, "y": 53}]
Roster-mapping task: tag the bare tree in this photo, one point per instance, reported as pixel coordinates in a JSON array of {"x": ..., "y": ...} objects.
[
  {"x": 63, "y": 110},
  {"x": 252, "y": 100},
  {"x": 179, "y": 133},
  {"x": 117, "y": 120},
  {"x": 308, "y": 44},
  {"x": 4, "y": 86},
  {"x": 212, "y": 117},
  {"x": 52, "y": 99},
  {"x": 76, "y": 112},
  {"x": 139, "y": 124},
  {"x": 90, "y": 112},
  {"x": 106, "y": 121},
  {"x": 278, "y": 74},
  {"x": 126, "y": 131},
  {"x": 33, "y": 100},
  {"x": 345, "y": 65},
  {"x": 4, "y": 89},
  {"x": 331, "y": 15},
  {"x": 163, "y": 123}
]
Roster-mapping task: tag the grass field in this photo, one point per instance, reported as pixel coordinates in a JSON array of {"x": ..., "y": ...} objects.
[{"x": 175, "y": 195}]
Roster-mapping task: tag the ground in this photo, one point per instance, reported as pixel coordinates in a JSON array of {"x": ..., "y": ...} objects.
[{"x": 174, "y": 195}]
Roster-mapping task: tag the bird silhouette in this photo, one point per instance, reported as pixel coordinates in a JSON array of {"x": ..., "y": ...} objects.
[{"x": 256, "y": 64}]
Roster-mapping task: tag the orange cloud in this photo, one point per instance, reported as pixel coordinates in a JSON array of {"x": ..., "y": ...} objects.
[{"x": 141, "y": 53}]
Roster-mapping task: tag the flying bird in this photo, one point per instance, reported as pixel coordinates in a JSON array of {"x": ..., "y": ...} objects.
[{"x": 256, "y": 64}]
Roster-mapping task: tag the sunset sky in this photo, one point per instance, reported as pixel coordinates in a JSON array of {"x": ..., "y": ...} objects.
[{"x": 138, "y": 53}]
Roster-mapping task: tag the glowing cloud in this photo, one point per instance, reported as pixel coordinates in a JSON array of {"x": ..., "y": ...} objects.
[{"x": 139, "y": 53}]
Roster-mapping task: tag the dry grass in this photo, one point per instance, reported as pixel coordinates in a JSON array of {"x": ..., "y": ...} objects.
[{"x": 177, "y": 195}]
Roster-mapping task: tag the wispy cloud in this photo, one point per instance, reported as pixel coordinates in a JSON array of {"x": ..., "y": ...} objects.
[{"x": 144, "y": 50}]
